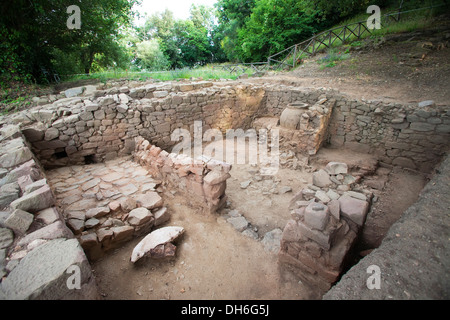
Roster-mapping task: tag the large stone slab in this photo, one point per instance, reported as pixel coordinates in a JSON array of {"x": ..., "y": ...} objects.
[
  {"x": 53, "y": 231},
  {"x": 149, "y": 200},
  {"x": 45, "y": 274},
  {"x": 354, "y": 209},
  {"x": 154, "y": 239},
  {"x": 19, "y": 221},
  {"x": 35, "y": 201}
]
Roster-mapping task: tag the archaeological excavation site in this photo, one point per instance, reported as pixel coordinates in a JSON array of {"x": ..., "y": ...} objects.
[{"x": 223, "y": 190}]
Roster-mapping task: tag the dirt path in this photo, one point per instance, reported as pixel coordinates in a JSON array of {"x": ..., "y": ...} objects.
[{"x": 213, "y": 261}]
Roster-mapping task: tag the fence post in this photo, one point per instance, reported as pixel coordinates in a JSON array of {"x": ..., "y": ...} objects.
[{"x": 294, "y": 62}]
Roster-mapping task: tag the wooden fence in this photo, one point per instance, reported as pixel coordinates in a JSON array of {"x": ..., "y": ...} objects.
[{"x": 292, "y": 56}]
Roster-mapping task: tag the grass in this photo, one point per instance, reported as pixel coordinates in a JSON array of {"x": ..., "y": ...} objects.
[
  {"x": 209, "y": 72},
  {"x": 332, "y": 58}
]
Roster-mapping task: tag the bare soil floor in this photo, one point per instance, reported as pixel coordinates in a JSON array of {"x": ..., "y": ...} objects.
[{"x": 214, "y": 261}]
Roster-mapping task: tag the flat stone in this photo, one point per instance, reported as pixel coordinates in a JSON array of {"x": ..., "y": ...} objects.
[
  {"x": 239, "y": 223},
  {"x": 334, "y": 208},
  {"x": 73, "y": 92},
  {"x": 336, "y": 168},
  {"x": 321, "y": 179},
  {"x": 128, "y": 189},
  {"x": 284, "y": 190},
  {"x": 149, "y": 200},
  {"x": 128, "y": 204},
  {"x": 90, "y": 184},
  {"x": 354, "y": 209},
  {"x": 356, "y": 195},
  {"x": 91, "y": 223},
  {"x": 35, "y": 201},
  {"x": 271, "y": 240},
  {"x": 35, "y": 185},
  {"x": 215, "y": 177},
  {"x": 113, "y": 176},
  {"x": 76, "y": 225},
  {"x": 154, "y": 239},
  {"x": 97, "y": 212},
  {"x": 139, "y": 216},
  {"x": 124, "y": 233},
  {"x": 19, "y": 221},
  {"x": 322, "y": 196},
  {"x": 332, "y": 194},
  {"x": 245, "y": 184},
  {"x": 84, "y": 204},
  {"x": 162, "y": 215},
  {"x": 53, "y": 231},
  {"x": 6, "y": 237},
  {"x": 15, "y": 157},
  {"x": 42, "y": 273}
]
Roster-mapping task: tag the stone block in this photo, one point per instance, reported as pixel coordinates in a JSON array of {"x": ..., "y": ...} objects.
[
  {"x": 317, "y": 216},
  {"x": 321, "y": 238},
  {"x": 162, "y": 215},
  {"x": 354, "y": 209},
  {"x": 214, "y": 177},
  {"x": 35, "y": 201},
  {"x": 53, "y": 231},
  {"x": 43, "y": 274},
  {"x": 19, "y": 221},
  {"x": 321, "y": 179},
  {"x": 123, "y": 233},
  {"x": 149, "y": 200},
  {"x": 336, "y": 168},
  {"x": 239, "y": 223},
  {"x": 139, "y": 216}
]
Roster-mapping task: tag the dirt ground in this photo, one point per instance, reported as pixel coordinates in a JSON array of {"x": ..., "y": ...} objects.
[{"x": 214, "y": 261}]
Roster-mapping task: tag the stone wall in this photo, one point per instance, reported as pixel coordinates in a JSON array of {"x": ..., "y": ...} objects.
[
  {"x": 93, "y": 129},
  {"x": 202, "y": 181},
  {"x": 36, "y": 247},
  {"x": 414, "y": 136},
  {"x": 103, "y": 126}
]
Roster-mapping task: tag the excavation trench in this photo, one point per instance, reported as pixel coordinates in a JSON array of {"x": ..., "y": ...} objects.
[{"x": 105, "y": 156}]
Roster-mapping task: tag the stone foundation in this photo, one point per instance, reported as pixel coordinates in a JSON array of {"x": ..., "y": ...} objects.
[
  {"x": 326, "y": 219},
  {"x": 202, "y": 181}
]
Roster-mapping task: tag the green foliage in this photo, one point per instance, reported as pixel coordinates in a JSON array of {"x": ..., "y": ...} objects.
[
  {"x": 150, "y": 55},
  {"x": 38, "y": 37},
  {"x": 333, "y": 57},
  {"x": 273, "y": 26}
]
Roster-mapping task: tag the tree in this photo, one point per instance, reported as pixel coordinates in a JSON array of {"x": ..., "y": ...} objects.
[
  {"x": 232, "y": 16},
  {"x": 273, "y": 26},
  {"x": 150, "y": 55},
  {"x": 37, "y": 32}
]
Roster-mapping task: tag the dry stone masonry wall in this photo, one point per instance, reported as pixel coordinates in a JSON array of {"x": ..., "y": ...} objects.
[{"x": 36, "y": 247}]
